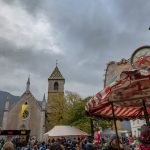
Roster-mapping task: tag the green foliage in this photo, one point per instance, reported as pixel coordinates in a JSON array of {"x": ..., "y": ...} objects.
[
  {"x": 78, "y": 117},
  {"x": 104, "y": 124},
  {"x": 71, "y": 111},
  {"x": 59, "y": 112}
]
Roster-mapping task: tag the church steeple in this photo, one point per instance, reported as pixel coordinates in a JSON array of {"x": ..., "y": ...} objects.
[
  {"x": 44, "y": 103},
  {"x": 7, "y": 103},
  {"x": 44, "y": 98},
  {"x": 28, "y": 85},
  {"x": 56, "y": 81},
  {"x": 56, "y": 74}
]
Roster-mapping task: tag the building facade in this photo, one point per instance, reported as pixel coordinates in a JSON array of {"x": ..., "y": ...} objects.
[
  {"x": 34, "y": 113},
  {"x": 136, "y": 126},
  {"x": 33, "y": 117}
]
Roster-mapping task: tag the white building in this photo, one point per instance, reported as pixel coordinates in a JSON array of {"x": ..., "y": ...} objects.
[{"x": 136, "y": 126}]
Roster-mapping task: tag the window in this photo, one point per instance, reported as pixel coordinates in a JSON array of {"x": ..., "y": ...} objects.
[
  {"x": 135, "y": 133},
  {"x": 133, "y": 122},
  {"x": 56, "y": 86}
]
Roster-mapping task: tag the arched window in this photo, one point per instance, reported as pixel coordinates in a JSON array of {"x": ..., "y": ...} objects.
[{"x": 56, "y": 86}]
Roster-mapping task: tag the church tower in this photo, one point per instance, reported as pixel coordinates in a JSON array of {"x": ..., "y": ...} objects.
[
  {"x": 55, "y": 88},
  {"x": 55, "y": 83}
]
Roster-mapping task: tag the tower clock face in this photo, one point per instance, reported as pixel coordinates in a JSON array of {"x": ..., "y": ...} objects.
[
  {"x": 141, "y": 58},
  {"x": 25, "y": 115}
]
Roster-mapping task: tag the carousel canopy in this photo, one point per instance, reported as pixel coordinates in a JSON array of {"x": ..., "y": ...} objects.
[
  {"x": 127, "y": 96},
  {"x": 127, "y": 93}
]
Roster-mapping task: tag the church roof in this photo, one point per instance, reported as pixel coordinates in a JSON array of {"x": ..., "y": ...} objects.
[
  {"x": 28, "y": 95},
  {"x": 56, "y": 74}
]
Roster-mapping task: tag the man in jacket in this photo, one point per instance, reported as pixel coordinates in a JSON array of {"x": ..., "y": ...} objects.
[{"x": 113, "y": 144}]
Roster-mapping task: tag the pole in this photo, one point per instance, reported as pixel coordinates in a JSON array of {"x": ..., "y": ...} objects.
[
  {"x": 92, "y": 127},
  {"x": 114, "y": 119},
  {"x": 145, "y": 113}
]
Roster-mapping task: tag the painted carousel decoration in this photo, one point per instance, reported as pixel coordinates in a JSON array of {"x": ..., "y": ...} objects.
[
  {"x": 141, "y": 58},
  {"x": 114, "y": 70}
]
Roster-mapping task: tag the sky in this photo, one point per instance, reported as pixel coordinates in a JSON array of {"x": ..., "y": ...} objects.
[{"x": 83, "y": 35}]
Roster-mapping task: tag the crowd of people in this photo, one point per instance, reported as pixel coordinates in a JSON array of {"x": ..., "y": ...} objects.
[
  {"x": 130, "y": 143},
  {"x": 80, "y": 143},
  {"x": 84, "y": 143}
]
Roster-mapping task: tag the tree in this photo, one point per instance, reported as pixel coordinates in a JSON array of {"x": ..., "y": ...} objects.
[
  {"x": 60, "y": 109},
  {"x": 79, "y": 118},
  {"x": 70, "y": 110},
  {"x": 58, "y": 113},
  {"x": 72, "y": 97},
  {"x": 103, "y": 124}
]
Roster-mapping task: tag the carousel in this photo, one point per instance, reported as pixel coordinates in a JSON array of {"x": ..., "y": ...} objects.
[{"x": 126, "y": 93}]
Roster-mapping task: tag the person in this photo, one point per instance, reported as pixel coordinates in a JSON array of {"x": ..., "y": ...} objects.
[
  {"x": 68, "y": 143},
  {"x": 89, "y": 145},
  {"x": 144, "y": 138},
  {"x": 43, "y": 146},
  {"x": 103, "y": 140},
  {"x": 24, "y": 146},
  {"x": 57, "y": 146},
  {"x": 136, "y": 142},
  {"x": 8, "y": 146},
  {"x": 78, "y": 147},
  {"x": 73, "y": 145},
  {"x": 113, "y": 144}
]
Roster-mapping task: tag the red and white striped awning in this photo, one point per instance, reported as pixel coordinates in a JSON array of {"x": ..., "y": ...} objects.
[{"x": 126, "y": 94}]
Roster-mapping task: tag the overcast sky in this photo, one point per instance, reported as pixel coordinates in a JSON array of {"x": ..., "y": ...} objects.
[{"x": 83, "y": 35}]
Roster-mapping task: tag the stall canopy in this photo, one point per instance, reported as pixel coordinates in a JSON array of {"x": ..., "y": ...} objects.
[
  {"x": 127, "y": 90},
  {"x": 64, "y": 131}
]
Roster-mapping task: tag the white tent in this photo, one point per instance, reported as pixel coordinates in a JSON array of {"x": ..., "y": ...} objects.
[{"x": 64, "y": 131}]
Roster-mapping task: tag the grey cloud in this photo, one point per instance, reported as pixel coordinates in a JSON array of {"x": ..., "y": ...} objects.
[
  {"x": 31, "y": 6},
  {"x": 134, "y": 14},
  {"x": 90, "y": 33},
  {"x": 24, "y": 57},
  {"x": 87, "y": 24},
  {"x": 37, "y": 64}
]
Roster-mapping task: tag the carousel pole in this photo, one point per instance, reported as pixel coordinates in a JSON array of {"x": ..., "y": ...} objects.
[
  {"x": 92, "y": 127},
  {"x": 114, "y": 119},
  {"x": 145, "y": 113}
]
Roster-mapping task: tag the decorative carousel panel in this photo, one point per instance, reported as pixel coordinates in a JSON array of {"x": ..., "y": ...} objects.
[
  {"x": 114, "y": 69},
  {"x": 132, "y": 87},
  {"x": 141, "y": 58}
]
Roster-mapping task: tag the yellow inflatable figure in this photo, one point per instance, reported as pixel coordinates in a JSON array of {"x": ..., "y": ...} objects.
[{"x": 24, "y": 108}]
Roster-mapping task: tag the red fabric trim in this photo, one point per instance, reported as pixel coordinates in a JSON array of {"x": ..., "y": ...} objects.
[
  {"x": 145, "y": 132},
  {"x": 107, "y": 90}
]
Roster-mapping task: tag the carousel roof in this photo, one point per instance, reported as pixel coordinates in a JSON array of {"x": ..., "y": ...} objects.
[{"x": 126, "y": 94}]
